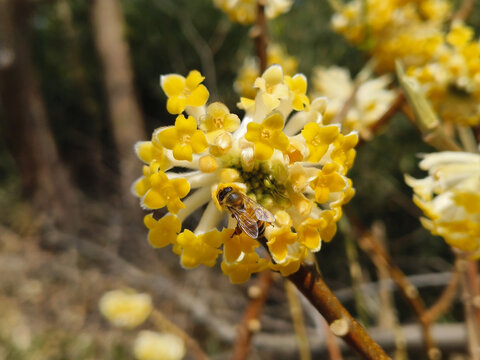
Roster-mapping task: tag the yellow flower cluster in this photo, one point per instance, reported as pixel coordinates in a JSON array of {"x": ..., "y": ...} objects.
[
  {"x": 125, "y": 307},
  {"x": 281, "y": 155},
  {"x": 451, "y": 80},
  {"x": 250, "y": 70},
  {"x": 370, "y": 101},
  {"x": 450, "y": 197},
  {"x": 151, "y": 345},
  {"x": 245, "y": 11},
  {"x": 410, "y": 30}
]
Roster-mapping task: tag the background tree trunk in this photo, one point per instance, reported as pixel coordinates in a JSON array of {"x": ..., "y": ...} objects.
[
  {"x": 27, "y": 129},
  {"x": 125, "y": 114}
]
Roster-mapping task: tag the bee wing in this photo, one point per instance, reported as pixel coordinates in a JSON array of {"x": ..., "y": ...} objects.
[
  {"x": 247, "y": 223},
  {"x": 260, "y": 212}
]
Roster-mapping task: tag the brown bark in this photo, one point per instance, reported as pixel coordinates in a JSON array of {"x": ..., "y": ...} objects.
[
  {"x": 125, "y": 114},
  {"x": 25, "y": 120}
]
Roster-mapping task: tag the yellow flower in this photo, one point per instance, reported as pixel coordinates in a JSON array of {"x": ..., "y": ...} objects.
[
  {"x": 459, "y": 35},
  {"x": 217, "y": 120},
  {"x": 125, "y": 308},
  {"x": 308, "y": 233},
  {"x": 183, "y": 138},
  {"x": 272, "y": 87},
  {"x": 183, "y": 92},
  {"x": 164, "y": 231},
  {"x": 240, "y": 271},
  {"x": 267, "y": 136},
  {"x": 298, "y": 89},
  {"x": 238, "y": 245},
  {"x": 151, "y": 151},
  {"x": 318, "y": 139},
  {"x": 279, "y": 239},
  {"x": 328, "y": 181},
  {"x": 165, "y": 192},
  {"x": 202, "y": 249},
  {"x": 151, "y": 345}
]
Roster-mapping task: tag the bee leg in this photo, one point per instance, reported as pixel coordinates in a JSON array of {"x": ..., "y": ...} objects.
[{"x": 237, "y": 231}]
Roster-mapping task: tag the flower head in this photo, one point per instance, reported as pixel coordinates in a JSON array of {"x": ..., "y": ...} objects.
[
  {"x": 281, "y": 160},
  {"x": 449, "y": 197},
  {"x": 245, "y": 11}
]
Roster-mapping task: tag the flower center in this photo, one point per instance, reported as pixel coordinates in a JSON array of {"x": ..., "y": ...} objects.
[
  {"x": 185, "y": 139},
  {"x": 266, "y": 134},
  {"x": 316, "y": 141},
  {"x": 218, "y": 122}
]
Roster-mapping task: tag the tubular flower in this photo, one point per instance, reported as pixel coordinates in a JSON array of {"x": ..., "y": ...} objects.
[
  {"x": 410, "y": 30},
  {"x": 183, "y": 138},
  {"x": 183, "y": 92},
  {"x": 449, "y": 198},
  {"x": 245, "y": 11},
  {"x": 218, "y": 120},
  {"x": 451, "y": 79},
  {"x": 295, "y": 171}
]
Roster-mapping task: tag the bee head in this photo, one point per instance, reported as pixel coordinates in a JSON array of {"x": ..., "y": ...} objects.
[{"x": 222, "y": 193}]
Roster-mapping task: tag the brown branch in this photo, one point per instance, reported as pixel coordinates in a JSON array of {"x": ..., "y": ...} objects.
[
  {"x": 250, "y": 322},
  {"x": 311, "y": 284},
  {"x": 445, "y": 300},
  {"x": 259, "y": 34},
  {"x": 407, "y": 289},
  {"x": 464, "y": 11}
]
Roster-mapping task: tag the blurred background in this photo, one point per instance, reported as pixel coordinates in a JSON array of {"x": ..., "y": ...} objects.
[{"x": 79, "y": 85}]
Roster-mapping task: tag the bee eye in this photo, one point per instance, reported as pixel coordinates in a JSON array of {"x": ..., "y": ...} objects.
[{"x": 222, "y": 193}]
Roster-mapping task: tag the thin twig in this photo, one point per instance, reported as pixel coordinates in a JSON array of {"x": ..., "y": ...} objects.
[
  {"x": 260, "y": 36},
  {"x": 407, "y": 289},
  {"x": 250, "y": 322},
  {"x": 298, "y": 322},
  {"x": 444, "y": 302},
  {"x": 464, "y": 11}
]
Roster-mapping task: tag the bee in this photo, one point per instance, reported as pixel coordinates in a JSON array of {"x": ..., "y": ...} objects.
[{"x": 251, "y": 216}]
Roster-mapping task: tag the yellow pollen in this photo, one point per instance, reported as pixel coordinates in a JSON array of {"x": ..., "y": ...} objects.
[
  {"x": 185, "y": 139},
  {"x": 218, "y": 122},
  {"x": 316, "y": 141},
  {"x": 265, "y": 134}
]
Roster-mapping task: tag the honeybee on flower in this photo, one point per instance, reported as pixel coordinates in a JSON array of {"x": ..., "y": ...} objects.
[{"x": 280, "y": 172}]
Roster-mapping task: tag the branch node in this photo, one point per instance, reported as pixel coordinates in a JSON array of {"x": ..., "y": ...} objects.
[{"x": 340, "y": 327}]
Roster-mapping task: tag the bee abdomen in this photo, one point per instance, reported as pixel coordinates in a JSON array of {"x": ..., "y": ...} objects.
[{"x": 261, "y": 228}]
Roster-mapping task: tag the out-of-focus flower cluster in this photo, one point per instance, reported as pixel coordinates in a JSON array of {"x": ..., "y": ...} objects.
[
  {"x": 451, "y": 79},
  {"x": 450, "y": 197},
  {"x": 410, "y": 30},
  {"x": 281, "y": 155},
  {"x": 250, "y": 70},
  {"x": 128, "y": 309},
  {"x": 151, "y": 345},
  {"x": 245, "y": 11},
  {"x": 125, "y": 307},
  {"x": 368, "y": 98}
]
